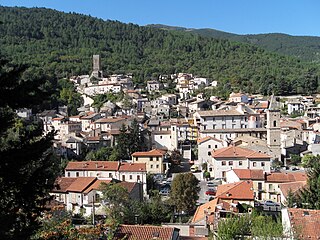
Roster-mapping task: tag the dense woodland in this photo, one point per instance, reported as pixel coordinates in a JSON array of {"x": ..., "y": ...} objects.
[
  {"x": 306, "y": 48},
  {"x": 61, "y": 44}
]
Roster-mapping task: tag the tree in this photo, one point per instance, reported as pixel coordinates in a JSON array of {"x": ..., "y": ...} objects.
[
  {"x": 118, "y": 203},
  {"x": 184, "y": 192},
  {"x": 102, "y": 154},
  {"x": 122, "y": 143},
  {"x": 28, "y": 167},
  {"x": 135, "y": 141},
  {"x": 309, "y": 196}
]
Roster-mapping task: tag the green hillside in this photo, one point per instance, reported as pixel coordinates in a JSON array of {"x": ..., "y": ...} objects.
[
  {"x": 62, "y": 44},
  {"x": 304, "y": 47}
]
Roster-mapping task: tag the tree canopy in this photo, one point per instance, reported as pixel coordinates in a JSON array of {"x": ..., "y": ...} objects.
[
  {"x": 28, "y": 167},
  {"x": 184, "y": 192},
  {"x": 62, "y": 44}
]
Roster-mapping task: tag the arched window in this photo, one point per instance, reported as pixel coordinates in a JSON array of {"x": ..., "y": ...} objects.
[{"x": 274, "y": 123}]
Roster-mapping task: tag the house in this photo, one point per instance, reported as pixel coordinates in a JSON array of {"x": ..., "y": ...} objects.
[
  {"x": 238, "y": 97},
  {"x": 256, "y": 176},
  {"x": 301, "y": 223},
  {"x": 110, "y": 123},
  {"x": 286, "y": 188},
  {"x": 227, "y": 158},
  {"x": 88, "y": 120},
  {"x": 145, "y": 232},
  {"x": 274, "y": 179},
  {"x": 165, "y": 139},
  {"x": 205, "y": 147},
  {"x": 230, "y": 117},
  {"x": 295, "y": 106},
  {"x": 153, "y": 86},
  {"x": 123, "y": 171},
  {"x": 238, "y": 192},
  {"x": 209, "y": 214},
  {"x": 79, "y": 194},
  {"x": 153, "y": 159}
]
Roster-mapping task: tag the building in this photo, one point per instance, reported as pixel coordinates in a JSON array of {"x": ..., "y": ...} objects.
[
  {"x": 122, "y": 171},
  {"x": 273, "y": 133},
  {"x": 153, "y": 159},
  {"x": 205, "y": 147},
  {"x": 231, "y": 157},
  {"x": 301, "y": 223}
]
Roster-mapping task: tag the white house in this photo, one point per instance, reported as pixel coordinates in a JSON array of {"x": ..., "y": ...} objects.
[
  {"x": 205, "y": 147},
  {"x": 231, "y": 157},
  {"x": 238, "y": 97}
]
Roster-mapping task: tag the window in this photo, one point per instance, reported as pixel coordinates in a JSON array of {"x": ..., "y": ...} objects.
[
  {"x": 240, "y": 163},
  {"x": 157, "y": 166},
  {"x": 210, "y": 169},
  {"x": 274, "y": 123},
  {"x": 254, "y": 164},
  {"x": 230, "y": 163},
  {"x": 123, "y": 177},
  {"x": 209, "y": 153},
  {"x": 215, "y": 146},
  {"x": 262, "y": 164},
  {"x": 209, "y": 146},
  {"x": 68, "y": 174},
  {"x": 151, "y": 166},
  {"x": 259, "y": 186},
  {"x": 77, "y": 174},
  {"x": 130, "y": 177},
  {"x": 137, "y": 159},
  {"x": 151, "y": 158},
  {"x": 275, "y": 140},
  {"x": 223, "y": 163},
  {"x": 138, "y": 177},
  {"x": 157, "y": 158},
  {"x": 223, "y": 174},
  {"x": 110, "y": 175}
]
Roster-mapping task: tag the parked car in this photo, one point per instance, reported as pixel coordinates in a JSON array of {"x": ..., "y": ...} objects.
[
  {"x": 211, "y": 192},
  {"x": 165, "y": 191},
  {"x": 270, "y": 203},
  {"x": 194, "y": 168},
  {"x": 211, "y": 184}
]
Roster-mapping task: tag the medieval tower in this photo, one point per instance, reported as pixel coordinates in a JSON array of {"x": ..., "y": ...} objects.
[
  {"x": 96, "y": 68},
  {"x": 274, "y": 131}
]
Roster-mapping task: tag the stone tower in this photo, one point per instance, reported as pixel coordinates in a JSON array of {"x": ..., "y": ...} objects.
[
  {"x": 96, "y": 65},
  {"x": 273, "y": 133}
]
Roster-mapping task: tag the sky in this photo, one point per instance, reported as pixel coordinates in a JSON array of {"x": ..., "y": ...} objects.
[{"x": 294, "y": 17}]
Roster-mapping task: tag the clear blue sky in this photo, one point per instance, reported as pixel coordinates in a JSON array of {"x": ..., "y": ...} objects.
[{"x": 295, "y": 17}]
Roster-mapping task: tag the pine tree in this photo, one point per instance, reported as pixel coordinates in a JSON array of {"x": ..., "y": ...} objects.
[{"x": 27, "y": 166}]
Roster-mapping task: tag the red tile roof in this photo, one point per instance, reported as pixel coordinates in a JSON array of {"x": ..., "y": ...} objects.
[
  {"x": 134, "y": 232},
  {"x": 152, "y": 153},
  {"x": 109, "y": 120},
  {"x": 305, "y": 222},
  {"x": 62, "y": 183},
  {"x": 200, "y": 212},
  {"x": 201, "y": 140},
  {"x": 237, "y": 152},
  {"x": 293, "y": 186},
  {"x": 93, "y": 165},
  {"x": 96, "y": 185},
  {"x": 132, "y": 167},
  {"x": 249, "y": 174},
  {"x": 282, "y": 177},
  {"x": 236, "y": 191},
  {"x": 81, "y": 184}
]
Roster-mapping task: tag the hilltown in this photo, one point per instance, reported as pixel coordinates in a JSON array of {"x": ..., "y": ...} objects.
[{"x": 242, "y": 149}]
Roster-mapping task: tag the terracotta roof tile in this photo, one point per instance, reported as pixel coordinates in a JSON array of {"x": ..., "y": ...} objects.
[
  {"x": 132, "y": 167},
  {"x": 200, "y": 212},
  {"x": 305, "y": 222},
  {"x": 109, "y": 120},
  {"x": 81, "y": 184},
  {"x": 96, "y": 185},
  {"x": 283, "y": 177},
  {"x": 153, "y": 152},
  {"x": 133, "y": 232},
  {"x": 201, "y": 140},
  {"x": 249, "y": 174},
  {"x": 237, "y": 152},
  {"x": 62, "y": 183},
  {"x": 293, "y": 186},
  {"x": 93, "y": 165},
  {"x": 237, "y": 191}
]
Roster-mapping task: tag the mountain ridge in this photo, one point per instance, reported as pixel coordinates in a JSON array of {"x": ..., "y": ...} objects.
[{"x": 306, "y": 48}]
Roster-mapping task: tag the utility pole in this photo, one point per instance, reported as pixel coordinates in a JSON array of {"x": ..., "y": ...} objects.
[{"x": 93, "y": 212}]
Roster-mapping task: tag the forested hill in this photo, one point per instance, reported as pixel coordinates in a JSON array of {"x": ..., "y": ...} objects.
[
  {"x": 63, "y": 44},
  {"x": 306, "y": 48}
]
